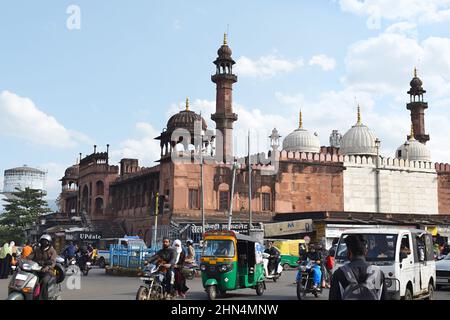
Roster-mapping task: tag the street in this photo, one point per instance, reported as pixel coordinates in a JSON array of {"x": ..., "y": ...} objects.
[{"x": 99, "y": 286}]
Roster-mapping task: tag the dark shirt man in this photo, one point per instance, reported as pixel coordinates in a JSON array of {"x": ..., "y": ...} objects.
[
  {"x": 356, "y": 252},
  {"x": 274, "y": 258},
  {"x": 168, "y": 255}
]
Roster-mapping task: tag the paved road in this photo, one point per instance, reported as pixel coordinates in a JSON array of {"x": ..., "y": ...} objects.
[{"x": 99, "y": 286}]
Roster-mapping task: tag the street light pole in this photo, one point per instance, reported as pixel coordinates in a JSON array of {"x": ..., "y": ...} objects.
[
  {"x": 249, "y": 185},
  {"x": 230, "y": 214},
  {"x": 377, "y": 145},
  {"x": 201, "y": 185},
  {"x": 155, "y": 234}
]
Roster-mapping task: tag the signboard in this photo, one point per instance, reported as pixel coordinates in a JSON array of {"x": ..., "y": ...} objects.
[
  {"x": 242, "y": 228},
  {"x": 286, "y": 228},
  {"x": 84, "y": 236}
]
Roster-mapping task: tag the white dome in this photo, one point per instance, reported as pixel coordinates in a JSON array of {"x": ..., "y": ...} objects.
[
  {"x": 414, "y": 151},
  {"x": 301, "y": 140},
  {"x": 359, "y": 140}
]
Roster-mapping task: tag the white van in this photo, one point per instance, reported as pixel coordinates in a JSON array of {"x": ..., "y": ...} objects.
[
  {"x": 104, "y": 247},
  {"x": 408, "y": 276}
]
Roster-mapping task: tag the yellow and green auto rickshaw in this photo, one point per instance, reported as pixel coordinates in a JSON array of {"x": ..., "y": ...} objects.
[
  {"x": 289, "y": 251},
  {"x": 231, "y": 261}
]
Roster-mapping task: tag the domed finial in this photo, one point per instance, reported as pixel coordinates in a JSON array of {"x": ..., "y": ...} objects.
[
  {"x": 359, "y": 116},
  {"x": 300, "y": 120},
  {"x": 411, "y": 137},
  {"x": 225, "y": 39},
  {"x": 415, "y": 72},
  {"x": 187, "y": 104}
]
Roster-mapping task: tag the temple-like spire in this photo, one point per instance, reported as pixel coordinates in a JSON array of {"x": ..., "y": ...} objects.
[
  {"x": 187, "y": 104},
  {"x": 415, "y": 72},
  {"x": 359, "y": 116},
  {"x": 225, "y": 42},
  {"x": 300, "y": 120}
]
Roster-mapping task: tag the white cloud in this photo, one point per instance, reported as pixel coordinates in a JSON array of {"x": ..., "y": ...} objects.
[
  {"x": 265, "y": 67},
  {"x": 406, "y": 28},
  {"x": 145, "y": 147},
  {"x": 323, "y": 61},
  {"x": 55, "y": 171},
  {"x": 21, "y": 118},
  {"x": 384, "y": 64},
  {"x": 428, "y": 11}
]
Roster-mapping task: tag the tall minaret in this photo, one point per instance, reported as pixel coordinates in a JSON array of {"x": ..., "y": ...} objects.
[
  {"x": 417, "y": 107},
  {"x": 224, "y": 116}
]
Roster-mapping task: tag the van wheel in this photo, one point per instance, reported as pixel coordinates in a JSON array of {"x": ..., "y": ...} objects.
[
  {"x": 101, "y": 263},
  {"x": 212, "y": 292},
  {"x": 430, "y": 292},
  {"x": 286, "y": 266},
  {"x": 408, "y": 294}
]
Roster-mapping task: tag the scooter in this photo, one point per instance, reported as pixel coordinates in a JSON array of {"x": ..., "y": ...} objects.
[
  {"x": 275, "y": 274},
  {"x": 25, "y": 285},
  {"x": 305, "y": 281},
  {"x": 189, "y": 270}
]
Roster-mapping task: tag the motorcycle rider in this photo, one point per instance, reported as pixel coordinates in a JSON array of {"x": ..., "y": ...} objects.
[
  {"x": 315, "y": 256},
  {"x": 70, "y": 252},
  {"x": 45, "y": 256},
  {"x": 168, "y": 255},
  {"x": 274, "y": 258}
]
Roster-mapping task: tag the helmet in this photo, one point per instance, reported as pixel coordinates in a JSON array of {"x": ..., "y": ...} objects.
[
  {"x": 189, "y": 242},
  {"x": 46, "y": 237}
]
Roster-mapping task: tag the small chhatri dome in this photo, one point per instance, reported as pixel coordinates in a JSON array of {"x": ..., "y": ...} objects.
[
  {"x": 185, "y": 120},
  {"x": 224, "y": 51},
  {"x": 301, "y": 140},
  {"x": 72, "y": 172},
  {"x": 413, "y": 150},
  {"x": 359, "y": 140},
  {"x": 416, "y": 85}
]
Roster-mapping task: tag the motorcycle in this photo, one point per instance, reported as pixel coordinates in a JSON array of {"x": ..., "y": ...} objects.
[
  {"x": 83, "y": 263},
  {"x": 305, "y": 281},
  {"x": 189, "y": 270},
  {"x": 25, "y": 285},
  {"x": 274, "y": 275},
  {"x": 153, "y": 287}
]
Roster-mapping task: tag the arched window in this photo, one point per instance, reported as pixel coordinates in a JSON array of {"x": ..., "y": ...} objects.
[
  {"x": 85, "y": 199},
  {"x": 99, "y": 205},
  {"x": 100, "y": 187}
]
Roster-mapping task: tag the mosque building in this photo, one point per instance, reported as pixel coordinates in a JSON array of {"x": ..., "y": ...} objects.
[{"x": 299, "y": 184}]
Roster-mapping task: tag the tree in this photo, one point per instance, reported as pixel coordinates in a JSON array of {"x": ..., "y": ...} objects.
[{"x": 20, "y": 211}]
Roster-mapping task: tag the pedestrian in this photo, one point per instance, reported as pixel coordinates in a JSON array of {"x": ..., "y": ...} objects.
[
  {"x": 180, "y": 280},
  {"x": 6, "y": 256},
  {"x": 190, "y": 258},
  {"x": 357, "y": 280},
  {"x": 329, "y": 265},
  {"x": 27, "y": 250}
]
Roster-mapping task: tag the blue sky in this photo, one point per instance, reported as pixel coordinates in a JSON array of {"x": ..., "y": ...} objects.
[{"x": 118, "y": 78}]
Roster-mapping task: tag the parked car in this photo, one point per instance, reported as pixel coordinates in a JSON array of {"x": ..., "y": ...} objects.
[
  {"x": 443, "y": 272},
  {"x": 404, "y": 255}
]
